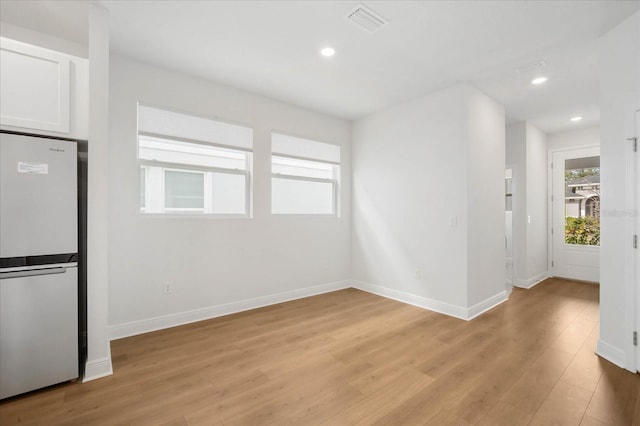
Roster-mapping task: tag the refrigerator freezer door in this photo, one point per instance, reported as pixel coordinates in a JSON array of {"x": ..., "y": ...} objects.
[
  {"x": 38, "y": 331},
  {"x": 38, "y": 196}
]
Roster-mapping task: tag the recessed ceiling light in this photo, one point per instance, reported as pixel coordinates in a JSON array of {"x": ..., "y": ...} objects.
[
  {"x": 576, "y": 118},
  {"x": 328, "y": 51},
  {"x": 539, "y": 80}
]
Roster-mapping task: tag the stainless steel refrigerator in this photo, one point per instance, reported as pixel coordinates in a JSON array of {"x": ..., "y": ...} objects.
[{"x": 38, "y": 262}]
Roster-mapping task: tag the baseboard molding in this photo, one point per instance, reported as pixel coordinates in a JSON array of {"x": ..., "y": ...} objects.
[
  {"x": 611, "y": 353},
  {"x": 412, "y": 299},
  {"x": 119, "y": 331},
  {"x": 101, "y": 368},
  {"x": 531, "y": 282},
  {"x": 433, "y": 305},
  {"x": 97, "y": 369},
  {"x": 487, "y": 304}
]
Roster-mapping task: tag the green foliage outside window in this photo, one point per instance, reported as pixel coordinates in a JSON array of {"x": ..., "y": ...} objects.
[
  {"x": 582, "y": 230},
  {"x": 575, "y": 174}
]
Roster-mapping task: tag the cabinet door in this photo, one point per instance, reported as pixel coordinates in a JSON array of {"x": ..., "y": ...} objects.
[
  {"x": 38, "y": 196},
  {"x": 38, "y": 330},
  {"x": 34, "y": 87}
]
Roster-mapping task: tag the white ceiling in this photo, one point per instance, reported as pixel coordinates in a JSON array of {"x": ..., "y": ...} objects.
[
  {"x": 64, "y": 19},
  {"x": 271, "y": 48}
]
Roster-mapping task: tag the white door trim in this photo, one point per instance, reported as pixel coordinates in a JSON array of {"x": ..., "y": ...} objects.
[
  {"x": 511, "y": 280},
  {"x": 632, "y": 255}
]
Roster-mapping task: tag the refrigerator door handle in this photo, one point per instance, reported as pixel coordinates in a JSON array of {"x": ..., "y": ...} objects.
[{"x": 32, "y": 273}]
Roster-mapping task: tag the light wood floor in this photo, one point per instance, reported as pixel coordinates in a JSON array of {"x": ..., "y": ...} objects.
[{"x": 351, "y": 357}]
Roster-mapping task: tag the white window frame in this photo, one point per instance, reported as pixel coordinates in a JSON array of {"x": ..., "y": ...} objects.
[
  {"x": 146, "y": 186},
  {"x": 157, "y": 121},
  {"x": 163, "y": 166},
  {"x": 334, "y": 181}
]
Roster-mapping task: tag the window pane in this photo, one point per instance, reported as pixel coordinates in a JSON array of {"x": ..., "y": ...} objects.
[
  {"x": 229, "y": 193},
  {"x": 290, "y": 196},
  {"x": 143, "y": 185},
  {"x": 295, "y": 167},
  {"x": 183, "y": 190},
  {"x": 582, "y": 201}
]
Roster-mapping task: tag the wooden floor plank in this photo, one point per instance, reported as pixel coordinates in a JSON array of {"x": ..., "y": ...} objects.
[
  {"x": 565, "y": 405},
  {"x": 616, "y": 397},
  {"x": 350, "y": 357}
]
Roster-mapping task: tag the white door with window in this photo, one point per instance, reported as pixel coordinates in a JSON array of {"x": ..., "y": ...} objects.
[{"x": 576, "y": 214}]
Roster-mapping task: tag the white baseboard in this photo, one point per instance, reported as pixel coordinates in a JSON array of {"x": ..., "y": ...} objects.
[
  {"x": 98, "y": 368},
  {"x": 611, "y": 353},
  {"x": 412, "y": 299},
  {"x": 433, "y": 305},
  {"x": 531, "y": 282},
  {"x": 119, "y": 331},
  {"x": 487, "y": 304}
]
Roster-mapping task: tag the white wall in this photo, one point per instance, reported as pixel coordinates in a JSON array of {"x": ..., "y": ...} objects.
[
  {"x": 409, "y": 178},
  {"x": 619, "y": 55},
  {"x": 537, "y": 229},
  {"x": 588, "y": 136},
  {"x": 37, "y": 38},
  {"x": 526, "y": 151},
  {"x": 485, "y": 211},
  {"x": 413, "y": 165},
  {"x": 98, "y": 353},
  {"x": 214, "y": 265}
]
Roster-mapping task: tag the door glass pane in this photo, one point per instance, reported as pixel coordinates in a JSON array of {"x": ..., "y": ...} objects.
[
  {"x": 582, "y": 201},
  {"x": 183, "y": 190}
]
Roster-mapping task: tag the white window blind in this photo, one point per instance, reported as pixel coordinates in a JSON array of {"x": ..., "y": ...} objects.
[
  {"x": 291, "y": 146},
  {"x": 155, "y": 121}
]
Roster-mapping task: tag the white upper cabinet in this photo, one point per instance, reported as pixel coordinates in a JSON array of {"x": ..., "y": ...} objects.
[{"x": 36, "y": 88}]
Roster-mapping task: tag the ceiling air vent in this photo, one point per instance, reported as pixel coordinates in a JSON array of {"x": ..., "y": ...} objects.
[
  {"x": 366, "y": 19},
  {"x": 532, "y": 67}
]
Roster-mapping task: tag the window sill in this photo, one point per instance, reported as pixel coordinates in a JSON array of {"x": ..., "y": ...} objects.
[{"x": 196, "y": 216}]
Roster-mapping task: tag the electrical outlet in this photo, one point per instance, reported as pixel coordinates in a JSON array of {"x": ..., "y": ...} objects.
[{"x": 166, "y": 288}]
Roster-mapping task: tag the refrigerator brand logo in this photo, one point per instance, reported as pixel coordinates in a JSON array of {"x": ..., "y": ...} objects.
[
  {"x": 56, "y": 149},
  {"x": 33, "y": 168}
]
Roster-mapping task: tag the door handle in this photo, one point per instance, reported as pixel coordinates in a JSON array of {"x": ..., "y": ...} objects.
[{"x": 32, "y": 273}]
